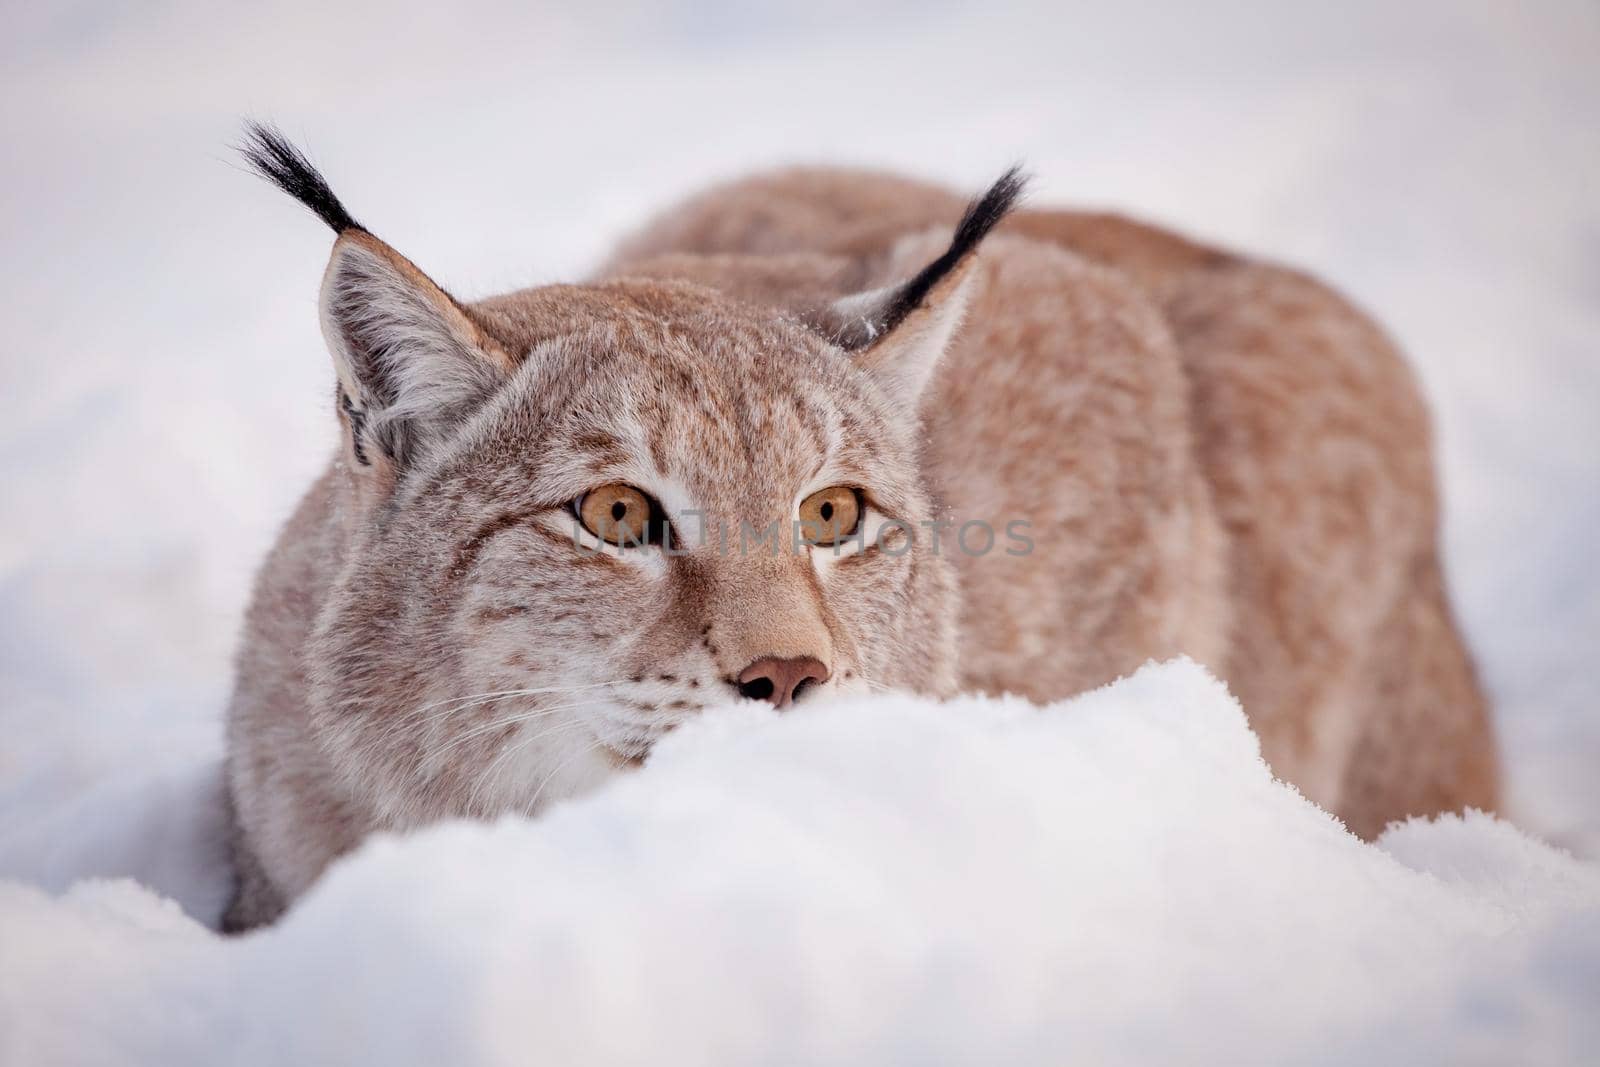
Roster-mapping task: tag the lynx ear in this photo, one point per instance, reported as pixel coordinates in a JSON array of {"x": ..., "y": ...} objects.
[
  {"x": 411, "y": 363},
  {"x": 901, "y": 331},
  {"x": 410, "y": 360}
]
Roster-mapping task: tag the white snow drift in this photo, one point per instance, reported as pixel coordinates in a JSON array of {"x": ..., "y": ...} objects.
[{"x": 1116, "y": 878}]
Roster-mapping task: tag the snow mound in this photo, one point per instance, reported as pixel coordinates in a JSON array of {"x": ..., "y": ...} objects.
[{"x": 1114, "y": 879}]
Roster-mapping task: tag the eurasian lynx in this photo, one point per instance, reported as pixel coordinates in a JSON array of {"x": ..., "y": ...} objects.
[{"x": 797, "y": 440}]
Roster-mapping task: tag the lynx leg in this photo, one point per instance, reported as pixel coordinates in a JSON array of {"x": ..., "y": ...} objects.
[
  {"x": 256, "y": 901},
  {"x": 1429, "y": 743}
]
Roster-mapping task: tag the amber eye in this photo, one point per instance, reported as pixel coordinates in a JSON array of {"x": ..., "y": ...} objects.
[
  {"x": 621, "y": 515},
  {"x": 830, "y": 515}
]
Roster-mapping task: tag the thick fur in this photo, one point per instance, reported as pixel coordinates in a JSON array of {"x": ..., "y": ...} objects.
[{"x": 1209, "y": 456}]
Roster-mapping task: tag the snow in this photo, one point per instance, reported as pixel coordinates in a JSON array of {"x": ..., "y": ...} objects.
[{"x": 1116, "y": 879}]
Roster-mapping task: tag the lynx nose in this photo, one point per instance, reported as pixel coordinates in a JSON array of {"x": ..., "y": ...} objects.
[{"x": 780, "y": 680}]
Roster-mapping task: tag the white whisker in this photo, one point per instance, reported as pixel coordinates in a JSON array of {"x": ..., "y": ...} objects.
[
  {"x": 509, "y": 720},
  {"x": 533, "y": 804},
  {"x": 481, "y": 698},
  {"x": 416, "y": 716},
  {"x": 491, "y": 774}
]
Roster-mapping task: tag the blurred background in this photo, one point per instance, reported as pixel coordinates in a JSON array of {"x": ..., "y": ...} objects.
[{"x": 165, "y": 396}]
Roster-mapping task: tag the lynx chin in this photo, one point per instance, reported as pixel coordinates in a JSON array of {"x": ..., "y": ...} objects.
[{"x": 508, "y": 583}]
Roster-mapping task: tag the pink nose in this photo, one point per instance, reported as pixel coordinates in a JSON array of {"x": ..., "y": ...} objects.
[{"x": 780, "y": 680}]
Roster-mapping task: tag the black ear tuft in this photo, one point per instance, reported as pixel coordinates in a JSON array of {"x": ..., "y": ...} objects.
[
  {"x": 981, "y": 216},
  {"x": 273, "y": 157}
]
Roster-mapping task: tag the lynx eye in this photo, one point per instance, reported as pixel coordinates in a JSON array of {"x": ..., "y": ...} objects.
[
  {"x": 830, "y": 515},
  {"x": 621, "y": 515}
]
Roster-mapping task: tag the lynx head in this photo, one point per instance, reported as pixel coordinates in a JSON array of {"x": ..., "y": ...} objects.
[{"x": 574, "y": 516}]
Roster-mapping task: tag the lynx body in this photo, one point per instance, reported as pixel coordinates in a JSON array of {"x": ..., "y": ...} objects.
[{"x": 1068, "y": 446}]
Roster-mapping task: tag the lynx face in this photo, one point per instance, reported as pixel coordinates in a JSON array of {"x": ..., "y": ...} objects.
[
  {"x": 569, "y": 516},
  {"x": 486, "y": 651}
]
